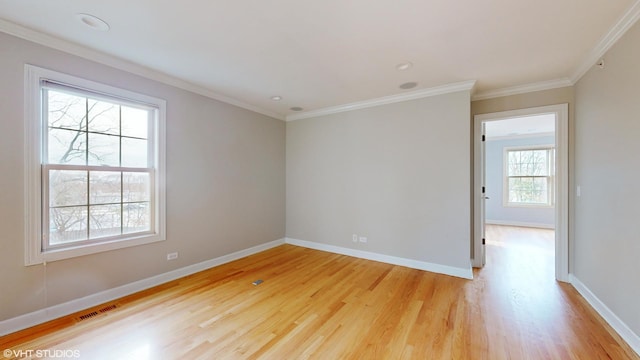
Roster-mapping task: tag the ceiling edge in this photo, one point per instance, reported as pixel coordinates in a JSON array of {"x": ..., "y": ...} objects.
[
  {"x": 417, "y": 94},
  {"x": 522, "y": 89},
  {"x": 628, "y": 19},
  {"x": 121, "y": 64}
]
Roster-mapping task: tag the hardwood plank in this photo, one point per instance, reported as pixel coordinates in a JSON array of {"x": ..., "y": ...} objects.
[{"x": 318, "y": 305}]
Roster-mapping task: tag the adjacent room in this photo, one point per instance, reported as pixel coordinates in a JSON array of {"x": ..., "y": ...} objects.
[
  {"x": 521, "y": 189},
  {"x": 331, "y": 180}
]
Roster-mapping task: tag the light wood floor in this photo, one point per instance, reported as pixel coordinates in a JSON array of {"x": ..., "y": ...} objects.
[{"x": 319, "y": 305}]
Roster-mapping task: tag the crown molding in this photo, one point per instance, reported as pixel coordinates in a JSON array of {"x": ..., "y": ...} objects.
[
  {"x": 412, "y": 95},
  {"x": 121, "y": 64},
  {"x": 522, "y": 89},
  {"x": 628, "y": 19}
]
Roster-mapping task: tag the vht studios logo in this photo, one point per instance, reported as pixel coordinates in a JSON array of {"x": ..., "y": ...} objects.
[{"x": 50, "y": 354}]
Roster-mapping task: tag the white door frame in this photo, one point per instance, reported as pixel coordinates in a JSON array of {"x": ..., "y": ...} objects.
[{"x": 561, "y": 112}]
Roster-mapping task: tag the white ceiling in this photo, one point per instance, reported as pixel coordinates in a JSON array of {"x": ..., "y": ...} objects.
[
  {"x": 521, "y": 126},
  {"x": 319, "y": 54}
]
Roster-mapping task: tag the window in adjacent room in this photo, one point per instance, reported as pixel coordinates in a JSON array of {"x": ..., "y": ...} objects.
[
  {"x": 96, "y": 167},
  {"x": 529, "y": 176}
]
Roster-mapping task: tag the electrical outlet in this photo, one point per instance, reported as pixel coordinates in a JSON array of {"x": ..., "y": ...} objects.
[
  {"x": 363, "y": 239},
  {"x": 172, "y": 256},
  {"x": 355, "y": 237}
]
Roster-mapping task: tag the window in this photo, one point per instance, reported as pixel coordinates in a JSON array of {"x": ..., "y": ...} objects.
[
  {"x": 95, "y": 162},
  {"x": 529, "y": 176}
]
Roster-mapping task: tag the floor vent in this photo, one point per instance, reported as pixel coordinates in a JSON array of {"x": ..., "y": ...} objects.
[
  {"x": 97, "y": 312},
  {"x": 88, "y": 316},
  {"x": 108, "y": 308}
]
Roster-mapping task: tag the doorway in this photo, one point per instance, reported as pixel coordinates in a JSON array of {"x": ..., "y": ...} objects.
[{"x": 522, "y": 190}]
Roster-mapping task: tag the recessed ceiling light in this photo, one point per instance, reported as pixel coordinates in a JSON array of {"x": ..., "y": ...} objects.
[
  {"x": 276, "y": 98},
  {"x": 404, "y": 66},
  {"x": 408, "y": 85},
  {"x": 93, "y": 22},
  {"x": 297, "y": 108}
]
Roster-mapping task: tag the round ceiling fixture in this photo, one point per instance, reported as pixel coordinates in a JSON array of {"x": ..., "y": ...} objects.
[
  {"x": 296, "y": 108},
  {"x": 93, "y": 22},
  {"x": 276, "y": 98},
  {"x": 408, "y": 85},
  {"x": 404, "y": 66}
]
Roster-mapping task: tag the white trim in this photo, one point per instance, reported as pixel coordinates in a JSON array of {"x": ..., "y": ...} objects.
[
  {"x": 561, "y": 177},
  {"x": 562, "y": 191},
  {"x": 465, "y": 273},
  {"x": 121, "y": 64},
  {"x": 33, "y": 139},
  {"x": 40, "y": 316},
  {"x": 522, "y": 89},
  {"x": 478, "y": 254},
  {"x": 626, "y": 21},
  {"x": 412, "y": 95},
  {"x": 521, "y": 136},
  {"x": 520, "y": 224},
  {"x": 32, "y": 177},
  {"x": 609, "y": 316}
]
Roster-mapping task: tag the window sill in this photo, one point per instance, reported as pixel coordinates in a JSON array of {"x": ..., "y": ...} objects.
[{"x": 88, "y": 249}]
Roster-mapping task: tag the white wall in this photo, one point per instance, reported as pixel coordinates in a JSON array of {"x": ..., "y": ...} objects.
[
  {"x": 607, "y": 226},
  {"x": 225, "y": 186},
  {"x": 397, "y": 174},
  {"x": 496, "y": 211}
]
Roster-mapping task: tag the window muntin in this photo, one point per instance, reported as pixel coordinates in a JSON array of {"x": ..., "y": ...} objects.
[{"x": 529, "y": 176}]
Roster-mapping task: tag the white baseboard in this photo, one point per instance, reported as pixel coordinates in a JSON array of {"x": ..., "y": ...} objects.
[
  {"x": 520, "y": 224},
  {"x": 609, "y": 316},
  {"x": 466, "y": 273},
  {"x": 40, "y": 316}
]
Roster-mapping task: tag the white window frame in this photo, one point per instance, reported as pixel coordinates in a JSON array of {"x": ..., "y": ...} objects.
[
  {"x": 550, "y": 178},
  {"x": 35, "y": 251}
]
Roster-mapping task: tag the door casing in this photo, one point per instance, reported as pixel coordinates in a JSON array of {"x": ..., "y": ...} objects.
[{"x": 561, "y": 112}]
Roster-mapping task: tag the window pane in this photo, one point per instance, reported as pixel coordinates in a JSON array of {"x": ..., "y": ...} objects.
[
  {"x": 134, "y": 153},
  {"x": 136, "y": 187},
  {"x": 104, "y": 117},
  {"x": 105, "y": 187},
  {"x": 105, "y": 220},
  {"x": 67, "y": 224},
  {"x": 66, "y": 147},
  {"x": 66, "y": 111},
  {"x": 136, "y": 217},
  {"x": 540, "y": 166},
  {"x": 135, "y": 122},
  {"x": 104, "y": 150},
  {"x": 528, "y": 190},
  {"x": 67, "y": 188},
  {"x": 528, "y": 163},
  {"x": 514, "y": 163}
]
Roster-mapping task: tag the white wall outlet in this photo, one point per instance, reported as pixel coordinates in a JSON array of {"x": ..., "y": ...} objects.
[
  {"x": 363, "y": 239},
  {"x": 172, "y": 256},
  {"x": 355, "y": 237}
]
